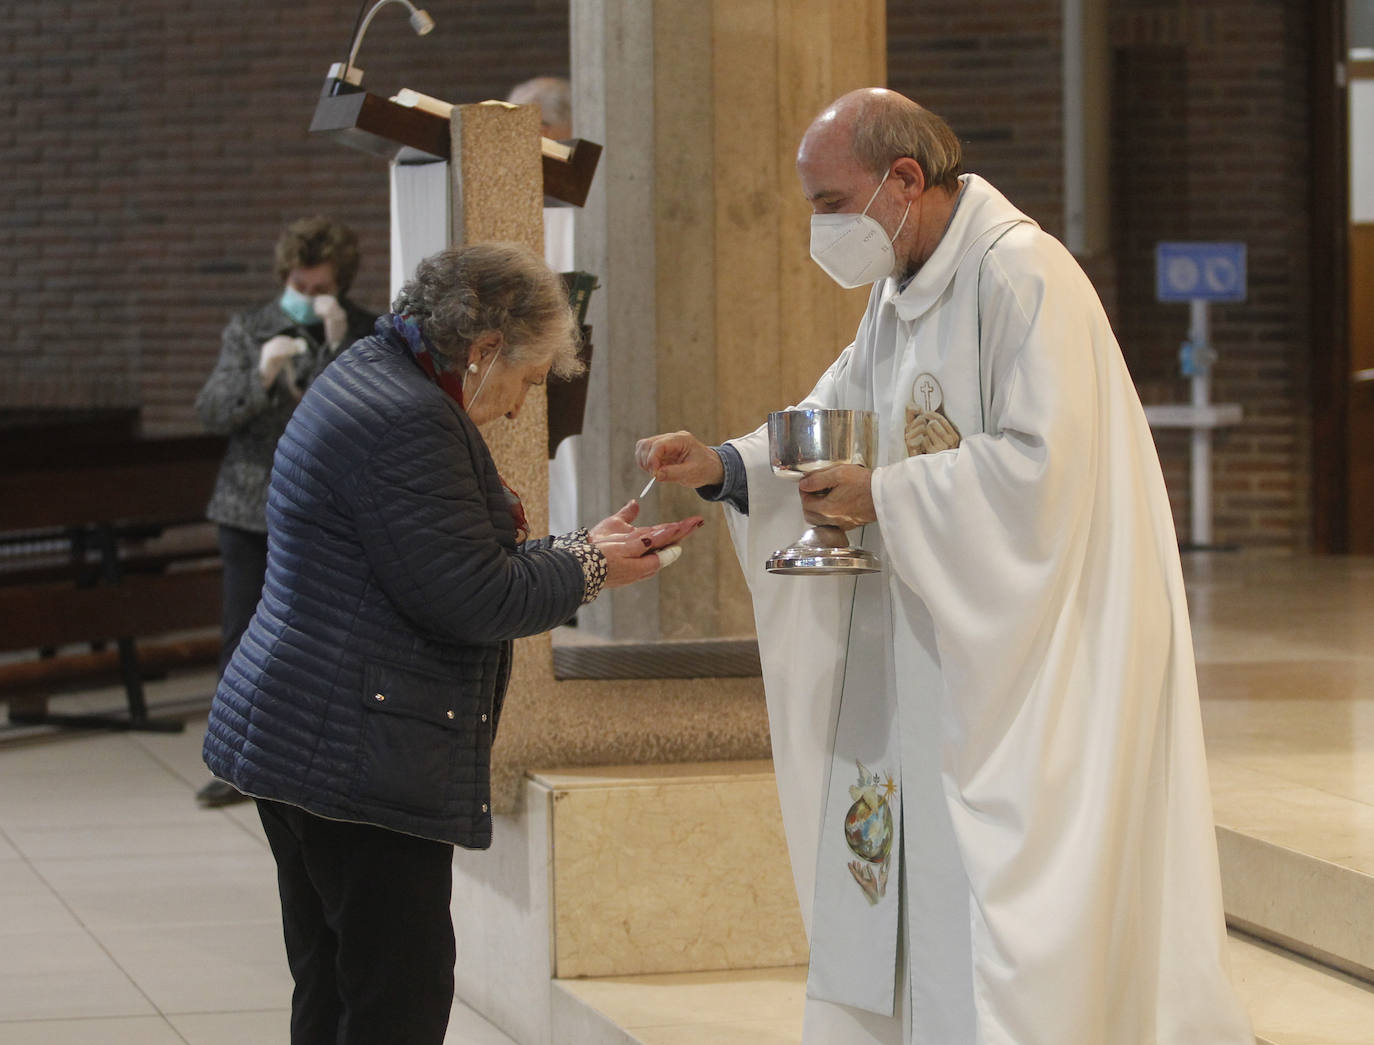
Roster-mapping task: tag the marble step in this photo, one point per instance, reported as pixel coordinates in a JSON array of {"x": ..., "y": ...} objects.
[
  {"x": 1297, "y": 864},
  {"x": 582, "y": 939},
  {"x": 616, "y": 871},
  {"x": 1294, "y": 1001},
  {"x": 730, "y": 1007},
  {"x": 1291, "y": 1001},
  {"x": 635, "y": 847}
]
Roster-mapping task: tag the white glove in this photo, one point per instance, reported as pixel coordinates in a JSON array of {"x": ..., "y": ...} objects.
[
  {"x": 327, "y": 307},
  {"x": 276, "y": 355}
]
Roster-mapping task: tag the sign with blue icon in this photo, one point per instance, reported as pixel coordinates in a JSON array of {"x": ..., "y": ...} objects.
[{"x": 1200, "y": 271}]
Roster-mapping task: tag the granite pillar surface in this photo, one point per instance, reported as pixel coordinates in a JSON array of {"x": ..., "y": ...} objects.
[
  {"x": 711, "y": 312},
  {"x": 547, "y": 722}
]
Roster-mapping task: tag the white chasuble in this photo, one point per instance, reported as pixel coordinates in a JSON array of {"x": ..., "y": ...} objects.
[{"x": 1022, "y": 667}]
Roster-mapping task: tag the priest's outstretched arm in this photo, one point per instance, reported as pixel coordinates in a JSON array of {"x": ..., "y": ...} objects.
[
  {"x": 715, "y": 472},
  {"x": 718, "y": 473}
]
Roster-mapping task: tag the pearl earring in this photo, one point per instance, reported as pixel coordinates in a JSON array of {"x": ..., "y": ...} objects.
[{"x": 472, "y": 368}]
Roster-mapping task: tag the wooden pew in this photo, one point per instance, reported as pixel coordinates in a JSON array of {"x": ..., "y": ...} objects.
[{"x": 104, "y": 542}]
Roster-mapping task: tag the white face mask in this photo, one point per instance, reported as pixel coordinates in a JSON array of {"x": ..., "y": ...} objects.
[{"x": 854, "y": 249}]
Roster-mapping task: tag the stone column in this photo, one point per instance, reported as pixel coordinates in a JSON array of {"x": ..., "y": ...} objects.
[
  {"x": 711, "y": 312},
  {"x": 498, "y": 194},
  {"x": 547, "y": 723}
]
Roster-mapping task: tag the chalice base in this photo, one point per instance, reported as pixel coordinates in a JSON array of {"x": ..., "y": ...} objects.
[{"x": 822, "y": 550}]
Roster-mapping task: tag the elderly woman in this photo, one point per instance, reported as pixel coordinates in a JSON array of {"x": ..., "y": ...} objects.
[{"x": 360, "y": 706}]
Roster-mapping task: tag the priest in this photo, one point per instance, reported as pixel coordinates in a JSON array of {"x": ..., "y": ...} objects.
[{"x": 989, "y": 753}]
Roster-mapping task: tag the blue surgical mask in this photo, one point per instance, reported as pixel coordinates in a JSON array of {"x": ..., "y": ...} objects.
[{"x": 298, "y": 306}]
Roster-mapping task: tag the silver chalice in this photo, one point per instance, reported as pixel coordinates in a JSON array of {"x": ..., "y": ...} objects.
[{"x": 802, "y": 441}]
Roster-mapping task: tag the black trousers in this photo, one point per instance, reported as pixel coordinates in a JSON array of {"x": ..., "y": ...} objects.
[
  {"x": 369, "y": 933},
  {"x": 244, "y": 554}
]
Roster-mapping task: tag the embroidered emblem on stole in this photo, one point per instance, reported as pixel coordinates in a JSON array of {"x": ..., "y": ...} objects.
[{"x": 868, "y": 829}]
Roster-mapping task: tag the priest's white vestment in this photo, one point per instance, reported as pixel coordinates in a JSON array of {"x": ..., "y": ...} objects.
[{"x": 1017, "y": 684}]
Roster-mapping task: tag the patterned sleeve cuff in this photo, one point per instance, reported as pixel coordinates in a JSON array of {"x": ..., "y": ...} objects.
[{"x": 589, "y": 557}]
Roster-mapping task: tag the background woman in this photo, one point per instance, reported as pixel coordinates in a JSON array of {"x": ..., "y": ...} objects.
[{"x": 268, "y": 357}]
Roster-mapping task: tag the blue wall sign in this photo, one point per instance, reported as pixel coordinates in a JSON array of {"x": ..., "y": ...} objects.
[{"x": 1200, "y": 271}]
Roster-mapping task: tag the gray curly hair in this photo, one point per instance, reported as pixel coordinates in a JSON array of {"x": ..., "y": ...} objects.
[{"x": 463, "y": 292}]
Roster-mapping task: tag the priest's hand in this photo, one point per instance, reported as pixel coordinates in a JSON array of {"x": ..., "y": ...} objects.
[
  {"x": 840, "y": 496},
  {"x": 680, "y": 457}
]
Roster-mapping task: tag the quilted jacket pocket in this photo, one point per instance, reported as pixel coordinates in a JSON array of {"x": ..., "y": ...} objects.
[{"x": 420, "y": 739}]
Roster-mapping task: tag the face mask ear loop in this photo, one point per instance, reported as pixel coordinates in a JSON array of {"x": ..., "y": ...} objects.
[
  {"x": 482, "y": 382},
  {"x": 905, "y": 214},
  {"x": 876, "y": 191},
  {"x": 900, "y": 224}
]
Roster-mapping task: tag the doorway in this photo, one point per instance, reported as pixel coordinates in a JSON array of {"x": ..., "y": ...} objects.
[
  {"x": 1342, "y": 275},
  {"x": 1327, "y": 260},
  {"x": 1360, "y": 299}
]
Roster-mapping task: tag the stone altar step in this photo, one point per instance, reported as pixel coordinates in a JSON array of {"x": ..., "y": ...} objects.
[
  {"x": 736, "y": 1007},
  {"x": 622, "y": 871},
  {"x": 1297, "y": 864},
  {"x": 669, "y": 868},
  {"x": 586, "y": 890},
  {"x": 1292, "y": 1001}
]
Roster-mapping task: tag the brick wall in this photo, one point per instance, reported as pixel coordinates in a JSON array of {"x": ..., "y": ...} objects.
[
  {"x": 154, "y": 148},
  {"x": 1209, "y": 141},
  {"x": 67, "y": 139}
]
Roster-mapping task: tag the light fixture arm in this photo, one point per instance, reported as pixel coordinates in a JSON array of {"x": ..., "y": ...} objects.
[{"x": 420, "y": 21}]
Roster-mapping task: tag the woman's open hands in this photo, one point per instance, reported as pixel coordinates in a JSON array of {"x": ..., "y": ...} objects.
[{"x": 635, "y": 553}]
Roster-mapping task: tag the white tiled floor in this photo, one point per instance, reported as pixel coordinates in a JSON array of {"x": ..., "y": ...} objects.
[{"x": 130, "y": 915}]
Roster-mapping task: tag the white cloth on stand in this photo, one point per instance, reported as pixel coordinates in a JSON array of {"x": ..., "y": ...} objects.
[
  {"x": 558, "y": 255},
  {"x": 1059, "y": 880},
  {"x": 558, "y": 238},
  {"x": 563, "y": 516}
]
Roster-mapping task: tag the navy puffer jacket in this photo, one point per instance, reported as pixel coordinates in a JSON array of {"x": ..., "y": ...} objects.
[{"x": 369, "y": 684}]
